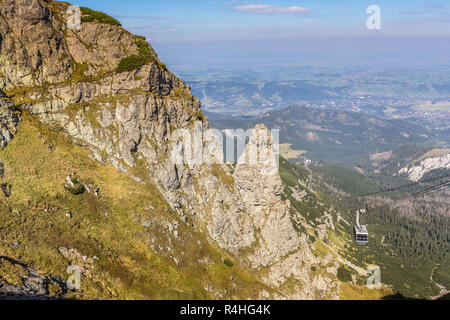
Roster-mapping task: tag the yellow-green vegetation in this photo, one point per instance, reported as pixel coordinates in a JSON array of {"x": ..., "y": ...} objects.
[
  {"x": 89, "y": 15},
  {"x": 131, "y": 63},
  {"x": 219, "y": 172},
  {"x": 145, "y": 56},
  {"x": 199, "y": 116},
  {"x": 135, "y": 259},
  {"x": 79, "y": 74},
  {"x": 21, "y": 95},
  {"x": 144, "y": 49},
  {"x": 288, "y": 153},
  {"x": 182, "y": 93},
  {"x": 321, "y": 249},
  {"x": 349, "y": 291},
  {"x": 76, "y": 188},
  {"x": 11, "y": 273},
  {"x": 344, "y": 274}
]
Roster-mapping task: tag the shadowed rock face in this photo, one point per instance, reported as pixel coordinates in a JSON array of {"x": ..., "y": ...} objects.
[
  {"x": 8, "y": 121},
  {"x": 67, "y": 78},
  {"x": 32, "y": 44},
  {"x": 2, "y": 170},
  {"x": 34, "y": 286}
]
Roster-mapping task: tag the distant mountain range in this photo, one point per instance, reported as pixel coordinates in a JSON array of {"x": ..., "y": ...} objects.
[{"x": 334, "y": 136}]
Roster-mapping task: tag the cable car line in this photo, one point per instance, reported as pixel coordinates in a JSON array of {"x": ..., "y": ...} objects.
[
  {"x": 423, "y": 192},
  {"x": 405, "y": 186}
]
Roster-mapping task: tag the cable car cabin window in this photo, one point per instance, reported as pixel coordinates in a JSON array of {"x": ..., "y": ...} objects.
[{"x": 361, "y": 237}]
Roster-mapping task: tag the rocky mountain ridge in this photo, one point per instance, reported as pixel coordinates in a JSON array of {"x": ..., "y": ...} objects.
[{"x": 68, "y": 80}]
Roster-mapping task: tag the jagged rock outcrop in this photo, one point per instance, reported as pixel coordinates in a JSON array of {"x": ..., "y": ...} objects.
[
  {"x": 33, "y": 49},
  {"x": 279, "y": 247},
  {"x": 261, "y": 191},
  {"x": 25, "y": 283},
  {"x": 2, "y": 170},
  {"x": 133, "y": 119},
  {"x": 8, "y": 120}
]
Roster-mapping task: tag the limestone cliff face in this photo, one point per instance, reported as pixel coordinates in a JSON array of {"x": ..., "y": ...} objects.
[
  {"x": 33, "y": 46},
  {"x": 261, "y": 193},
  {"x": 417, "y": 172},
  {"x": 131, "y": 119},
  {"x": 8, "y": 120}
]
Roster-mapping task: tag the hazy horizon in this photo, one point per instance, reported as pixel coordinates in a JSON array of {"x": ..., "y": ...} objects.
[{"x": 214, "y": 33}]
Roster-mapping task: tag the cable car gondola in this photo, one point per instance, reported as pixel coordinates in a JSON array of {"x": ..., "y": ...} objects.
[{"x": 360, "y": 231}]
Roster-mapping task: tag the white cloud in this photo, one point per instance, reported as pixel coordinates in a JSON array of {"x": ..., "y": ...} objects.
[{"x": 268, "y": 8}]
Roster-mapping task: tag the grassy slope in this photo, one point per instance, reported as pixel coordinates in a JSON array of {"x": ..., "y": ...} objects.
[{"x": 37, "y": 163}]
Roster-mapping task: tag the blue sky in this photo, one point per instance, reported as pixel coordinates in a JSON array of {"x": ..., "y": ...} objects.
[{"x": 208, "y": 31}]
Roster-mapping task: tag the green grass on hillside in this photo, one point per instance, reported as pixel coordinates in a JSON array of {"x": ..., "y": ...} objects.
[
  {"x": 90, "y": 15},
  {"x": 135, "y": 261},
  {"x": 131, "y": 63},
  {"x": 145, "y": 56},
  {"x": 144, "y": 49}
]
